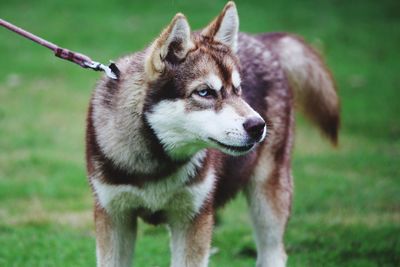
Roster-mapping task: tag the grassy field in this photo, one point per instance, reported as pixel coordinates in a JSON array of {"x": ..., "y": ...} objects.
[{"x": 347, "y": 203}]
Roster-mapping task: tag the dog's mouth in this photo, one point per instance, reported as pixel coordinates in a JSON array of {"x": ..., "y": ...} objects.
[{"x": 239, "y": 149}]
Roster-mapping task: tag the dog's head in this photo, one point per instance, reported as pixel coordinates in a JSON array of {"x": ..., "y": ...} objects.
[{"x": 194, "y": 98}]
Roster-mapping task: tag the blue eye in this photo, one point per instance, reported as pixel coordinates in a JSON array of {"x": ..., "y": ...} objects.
[
  {"x": 206, "y": 93},
  {"x": 203, "y": 92}
]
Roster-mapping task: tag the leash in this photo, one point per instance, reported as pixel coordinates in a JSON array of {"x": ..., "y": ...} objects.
[{"x": 84, "y": 61}]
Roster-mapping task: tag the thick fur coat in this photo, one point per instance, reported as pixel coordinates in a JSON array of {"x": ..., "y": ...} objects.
[{"x": 193, "y": 119}]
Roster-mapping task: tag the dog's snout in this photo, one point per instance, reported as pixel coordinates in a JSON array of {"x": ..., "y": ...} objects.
[{"x": 254, "y": 127}]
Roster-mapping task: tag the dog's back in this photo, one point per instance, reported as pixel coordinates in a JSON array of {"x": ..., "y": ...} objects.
[{"x": 278, "y": 71}]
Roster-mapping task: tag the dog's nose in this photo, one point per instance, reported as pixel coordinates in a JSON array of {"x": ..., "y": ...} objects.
[{"x": 254, "y": 127}]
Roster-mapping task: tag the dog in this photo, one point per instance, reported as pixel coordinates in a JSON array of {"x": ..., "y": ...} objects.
[{"x": 193, "y": 119}]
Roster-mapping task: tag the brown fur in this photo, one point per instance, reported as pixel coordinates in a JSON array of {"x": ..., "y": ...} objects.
[
  {"x": 107, "y": 245},
  {"x": 276, "y": 70},
  {"x": 199, "y": 235},
  {"x": 316, "y": 94}
]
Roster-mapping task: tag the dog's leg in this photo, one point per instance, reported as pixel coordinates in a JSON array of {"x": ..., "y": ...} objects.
[
  {"x": 115, "y": 238},
  {"x": 190, "y": 242},
  {"x": 269, "y": 199}
]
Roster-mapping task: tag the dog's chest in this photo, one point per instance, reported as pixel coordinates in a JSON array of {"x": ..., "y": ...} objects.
[{"x": 171, "y": 195}]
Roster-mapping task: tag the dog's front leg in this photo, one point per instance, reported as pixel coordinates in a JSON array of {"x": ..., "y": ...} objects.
[
  {"x": 190, "y": 241},
  {"x": 115, "y": 238},
  {"x": 269, "y": 199}
]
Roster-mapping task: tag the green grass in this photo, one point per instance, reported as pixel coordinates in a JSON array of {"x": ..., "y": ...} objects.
[{"x": 347, "y": 202}]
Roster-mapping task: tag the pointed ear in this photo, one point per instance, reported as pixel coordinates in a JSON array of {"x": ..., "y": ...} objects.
[
  {"x": 171, "y": 46},
  {"x": 225, "y": 27}
]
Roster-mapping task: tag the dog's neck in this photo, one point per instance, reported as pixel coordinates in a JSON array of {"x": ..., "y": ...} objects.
[
  {"x": 126, "y": 143},
  {"x": 134, "y": 158}
]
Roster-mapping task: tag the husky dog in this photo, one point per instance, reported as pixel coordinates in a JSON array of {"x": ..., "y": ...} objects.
[{"x": 193, "y": 119}]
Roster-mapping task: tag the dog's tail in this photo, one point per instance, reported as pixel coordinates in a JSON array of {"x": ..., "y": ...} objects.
[{"x": 312, "y": 82}]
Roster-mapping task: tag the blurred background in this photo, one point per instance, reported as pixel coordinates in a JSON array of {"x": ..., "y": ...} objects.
[{"x": 346, "y": 208}]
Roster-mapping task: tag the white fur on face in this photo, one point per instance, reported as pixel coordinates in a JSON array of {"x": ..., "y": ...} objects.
[
  {"x": 214, "y": 81},
  {"x": 236, "y": 79},
  {"x": 183, "y": 132}
]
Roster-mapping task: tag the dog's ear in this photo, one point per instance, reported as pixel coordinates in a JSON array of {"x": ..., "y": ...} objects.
[
  {"x": 225, "y": 27},
  {"x": 171, "y": 46}
]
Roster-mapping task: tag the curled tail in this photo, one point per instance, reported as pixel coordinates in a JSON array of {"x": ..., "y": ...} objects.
[{"x": 312, "y": 82}]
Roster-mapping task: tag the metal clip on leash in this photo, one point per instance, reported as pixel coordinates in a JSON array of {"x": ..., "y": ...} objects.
[{"x": 84, "y": 61}]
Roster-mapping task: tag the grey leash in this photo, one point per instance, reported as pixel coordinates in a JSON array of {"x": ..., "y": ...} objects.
[{"x": 84, "y": 61}]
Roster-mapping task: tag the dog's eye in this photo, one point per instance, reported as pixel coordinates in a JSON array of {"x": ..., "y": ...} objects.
[
  {"x": 207, "y": 92},
  {"x": 237, "y": 90}
]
